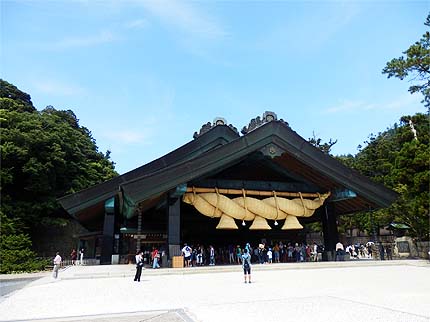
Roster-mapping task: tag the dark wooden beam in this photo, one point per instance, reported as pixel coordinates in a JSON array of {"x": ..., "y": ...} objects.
[
  {"x": 248, "y": 192},
  {"x": 254, "y": 185},
  {"x": 174, "y": 226},
  {"x": 331, "y": 234},
  {"x": 108, "y": 232}
]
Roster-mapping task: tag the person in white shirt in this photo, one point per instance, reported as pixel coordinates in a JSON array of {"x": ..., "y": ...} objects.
[
  {"x": 348, "y": 249},
  {"x": 200, "y": 256},
  {"x": 186, "y": 251},
  {"x": 269, "y": 256},
  {"x": 339, "y": 252},
  {"x": 57, "y": 264},
  {"x": 315, "y": 252},
  {"x": 81, "y": 256},
  {"x": 139, "y": 266}
]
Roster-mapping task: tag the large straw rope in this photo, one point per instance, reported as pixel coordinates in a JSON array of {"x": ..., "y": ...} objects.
[{"x": 247, "y": 208}]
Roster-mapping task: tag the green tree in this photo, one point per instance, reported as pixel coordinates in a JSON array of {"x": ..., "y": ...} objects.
[
  {"x": 416, "y": 66},
  {"x": 14, "y": 99},
  {"x": 16, "y": 254},
  {"x": 44, "y": 155},
  {"x": 317, "y": 142},
  {"x": 399, "y": 158}
]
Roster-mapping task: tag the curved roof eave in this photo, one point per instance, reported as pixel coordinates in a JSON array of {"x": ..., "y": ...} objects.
[
  {"x": 274, "y": 132},
  {"x": 217, "y": 136}
]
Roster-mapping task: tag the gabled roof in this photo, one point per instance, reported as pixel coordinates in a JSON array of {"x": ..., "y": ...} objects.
[
  {"x": 318, "y": 167},
  {"x": 220, "y": 148}
]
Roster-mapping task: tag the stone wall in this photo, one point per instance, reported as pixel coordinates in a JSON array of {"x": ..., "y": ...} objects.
[
  {"x": 423, "y": 249},
  {"x": 48, "y": 240}
]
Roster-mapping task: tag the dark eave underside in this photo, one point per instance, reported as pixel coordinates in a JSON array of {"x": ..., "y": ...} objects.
[{"x": 371, "y": 193}]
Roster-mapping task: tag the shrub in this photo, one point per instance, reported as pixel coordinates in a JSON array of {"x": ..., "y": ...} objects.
[{"x": 16, "y": 254}]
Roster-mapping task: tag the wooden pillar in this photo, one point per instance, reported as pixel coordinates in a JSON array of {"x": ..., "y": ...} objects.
[
  {"x": 331, "y": 234},
  {"x": 174, "y": 226},
  {"x": 139, "y": 229},
  {"x": 108, "y": 232}
]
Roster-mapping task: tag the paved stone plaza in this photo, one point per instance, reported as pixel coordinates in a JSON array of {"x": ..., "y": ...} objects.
[{"x": 391, "y": 291}]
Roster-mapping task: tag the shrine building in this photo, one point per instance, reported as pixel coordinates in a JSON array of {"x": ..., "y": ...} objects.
[{"x": 223, "y": 188}]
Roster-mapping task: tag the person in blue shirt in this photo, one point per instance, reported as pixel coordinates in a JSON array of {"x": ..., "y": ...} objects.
[{"x": 246, "y": 265}]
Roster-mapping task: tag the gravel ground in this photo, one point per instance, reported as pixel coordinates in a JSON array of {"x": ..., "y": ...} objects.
[{"x": 392, "y": 293}]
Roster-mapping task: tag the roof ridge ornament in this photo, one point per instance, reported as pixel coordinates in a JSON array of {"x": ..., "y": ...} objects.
[
  {"x": 267, "y": 117},
  {"x": 209, "y": 126}
]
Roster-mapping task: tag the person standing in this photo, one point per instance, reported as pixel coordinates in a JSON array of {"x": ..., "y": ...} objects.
[
  {"x": 381, "y": 251},
  {"x": 369, "y": 249},
  {"x": 81, "y": 256},
  {"x": 73, "y": 256},
  {"x": 211, "y": 255},
  {"x": 186, "y": 251},
  {"x": 200, "y": 256},
  {"x": 339, "y": 252},
  {"x": 254, "y": 255},
  {"x": 307, "y": 253},
  {"x": 238, "y": 254},
  {"x": 194, "y": 256},
  {"x": 282, "y": 252},
  {"x": 269, "y": 256},
  {"x": 231, "y": 254},
  {"x": 276, "y": 253},
  {"x": 57, "y": 264},
  {"x": 315, "y": 252},
  {"x": 155, "y": 257},
  {"x": 246, "y": 265},
  {"x": 139, "y": 266},
  {"x": 290, "y": 253},
  {"x": 297, "y": 251}
]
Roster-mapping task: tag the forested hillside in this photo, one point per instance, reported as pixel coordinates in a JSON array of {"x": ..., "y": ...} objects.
[
  {"x": 399, "y": 158},
  {"x": 44, "y": 155}
]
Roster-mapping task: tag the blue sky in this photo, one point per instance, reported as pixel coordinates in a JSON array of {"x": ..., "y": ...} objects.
[{"x": 143, "y": 76}]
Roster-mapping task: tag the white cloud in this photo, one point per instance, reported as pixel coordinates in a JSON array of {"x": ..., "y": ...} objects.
[
  {"x": 404, "y": 102},
  {"x": 128, "y": 137},
  {"x": 346, "y": 105},
  {"x": 186, "y": 17},
  {"x": 407, "y": 101},
  {"x": 54, "y": 87},
  {"x": 84, "y": 41},
  {"x": 136, "y": 24},
  {"x": 323, "y": 21}
]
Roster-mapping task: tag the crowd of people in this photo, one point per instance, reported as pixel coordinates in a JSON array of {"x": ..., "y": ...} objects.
[
  {"x": 58, "y": 260},
  {"x": 199, "y": 255},
  {"x": 364, "y": 251},
  {"x": 263, "y": 253}
]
